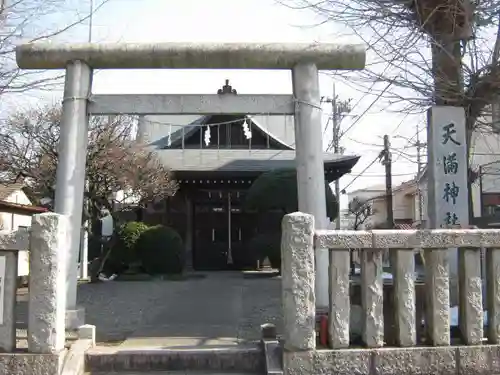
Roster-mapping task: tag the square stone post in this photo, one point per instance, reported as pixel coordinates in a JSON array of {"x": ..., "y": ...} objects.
[
  {"x": 310, "y": 163},
  {"x": 437, "y": 310},
  {"x": 47, "y": 297},
  {"x": 372, "y": 297},
  {"x": 70, "y": 177},
  {"x": 298, "y": 276},
  {"x": 10, "y": 244},
  {"x": 8, "y": 288},
  {"x": 493, "y": 291},
  {"x": 403, "y": 265},
  {"x": 470, "y": 293}
]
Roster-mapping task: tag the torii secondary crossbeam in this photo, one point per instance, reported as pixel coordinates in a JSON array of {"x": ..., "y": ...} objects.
[{"x": 303, "y": 59}]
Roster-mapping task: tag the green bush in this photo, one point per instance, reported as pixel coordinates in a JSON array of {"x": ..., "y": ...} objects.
[
  {"x": 267, "y": 244},
  {"x": 124, "y": 251},
  {"x": 161, "y": 250},
  {"x": 277, "y": 190}
]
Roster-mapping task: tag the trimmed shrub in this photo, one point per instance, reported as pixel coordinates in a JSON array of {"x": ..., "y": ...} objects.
[
  {"x": 277, "y": 190},
  {"x": 124, "y": 253},
  {"x": 267, "y": 244},
  {"x": 161, "y": 250}
]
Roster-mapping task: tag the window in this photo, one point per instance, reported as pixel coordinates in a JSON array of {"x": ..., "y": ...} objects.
[
  {"x": 492, "y": 211},
  {"x": 491, "y": 204}
]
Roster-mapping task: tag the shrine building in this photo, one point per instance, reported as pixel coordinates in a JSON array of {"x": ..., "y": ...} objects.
[{"x": 215, "y": 159}]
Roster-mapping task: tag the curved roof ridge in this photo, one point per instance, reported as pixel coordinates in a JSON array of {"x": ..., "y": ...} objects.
[{"x": 266, "y": 131}]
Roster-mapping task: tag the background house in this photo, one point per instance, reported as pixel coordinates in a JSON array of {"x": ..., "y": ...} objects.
[
  {"x": 15, "y": 214},
  {"x": 404, "y": 204},
  {"x": 485, "y": 160}
]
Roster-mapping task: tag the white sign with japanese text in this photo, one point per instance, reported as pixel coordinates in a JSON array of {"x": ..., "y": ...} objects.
[
  {"x": 2, "y": 286},
  {"x": 447, "y": 164},
  {"x": 448, "y": 196}
]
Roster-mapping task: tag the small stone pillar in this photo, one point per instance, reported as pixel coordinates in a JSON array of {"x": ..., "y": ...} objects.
[
  {"x": 8, "y": 288},
  {"x": 47, "y": 297},
  {"x": 298, "y": 279},
  {"x": 10, "y": 244}
]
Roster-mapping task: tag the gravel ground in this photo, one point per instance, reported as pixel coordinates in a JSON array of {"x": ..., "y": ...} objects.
[{"x": 223, "y": 304}]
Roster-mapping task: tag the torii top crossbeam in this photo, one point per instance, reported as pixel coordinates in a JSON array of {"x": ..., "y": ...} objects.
[{"x": 326, "y": 56}]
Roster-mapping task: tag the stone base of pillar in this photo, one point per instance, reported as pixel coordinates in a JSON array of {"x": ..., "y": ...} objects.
[{"x": 75, "y": 318}]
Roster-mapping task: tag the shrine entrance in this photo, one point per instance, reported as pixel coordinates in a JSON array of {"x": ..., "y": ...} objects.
[{"x": 222, "y": 230}]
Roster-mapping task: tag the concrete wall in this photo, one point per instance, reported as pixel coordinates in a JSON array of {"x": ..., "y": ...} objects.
[
  {"x": 9, "y": 221},
  {"x": 12, "y": 222}
]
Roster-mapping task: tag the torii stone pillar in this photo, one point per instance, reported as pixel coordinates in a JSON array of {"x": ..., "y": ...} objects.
[
  {"x": 304, "y": 59},
  {"x": 70, "y": 175}
]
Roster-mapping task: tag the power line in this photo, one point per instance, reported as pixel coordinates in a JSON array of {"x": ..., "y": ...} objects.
[
  {"x": 364, "y": 170},
  {"x": 364, "y": 112},
  {"x": 383, "y": 175}
]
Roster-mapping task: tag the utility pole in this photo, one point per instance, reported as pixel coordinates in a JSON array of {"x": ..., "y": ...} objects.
[
  {"x": 386, "y": 157},
  {"x": 91, "y": 20},
  {"x": 339, "y": 109},
  {"x": 419, "y": 146},
  {"x": 335, "y": 141},
  {"x": 419, "y": 170}
]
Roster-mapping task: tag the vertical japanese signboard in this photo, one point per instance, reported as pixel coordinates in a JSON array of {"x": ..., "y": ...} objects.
[
  {"x": 447, "y": 164},
  {"x": 2, "y": 287},
  {"x": 447, "y": 182}
]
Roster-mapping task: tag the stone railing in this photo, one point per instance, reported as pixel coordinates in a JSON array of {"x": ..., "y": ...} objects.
[
  {"x": 472, "y": 355},
  {"x": 47, "y": 243}
]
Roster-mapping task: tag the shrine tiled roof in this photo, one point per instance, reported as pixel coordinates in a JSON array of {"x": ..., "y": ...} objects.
[{"x": 241, "y": 160}]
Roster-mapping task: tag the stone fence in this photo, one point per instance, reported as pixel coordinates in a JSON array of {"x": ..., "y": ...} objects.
[
  {"x": 473, "y": 353},
  {"x": 47, "y": 243}
]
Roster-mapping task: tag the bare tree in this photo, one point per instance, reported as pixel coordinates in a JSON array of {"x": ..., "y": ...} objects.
[
  {"x": 32, "y": 21},
  {"x": 360, "y": 211},
  {"x": 443, "y": 52},
  {"x": 115, "y": 162}
]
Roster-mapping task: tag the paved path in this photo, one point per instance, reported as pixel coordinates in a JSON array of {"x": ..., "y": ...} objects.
[{"x": 224, "y": 308}]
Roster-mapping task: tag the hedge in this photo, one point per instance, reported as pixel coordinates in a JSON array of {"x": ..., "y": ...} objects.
[
  {"x": 161, "y": 250},
  {"x": 124, "y": 252}
]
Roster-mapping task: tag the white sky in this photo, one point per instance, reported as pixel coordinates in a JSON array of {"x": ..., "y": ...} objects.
[{"x": 250, "y": 21}]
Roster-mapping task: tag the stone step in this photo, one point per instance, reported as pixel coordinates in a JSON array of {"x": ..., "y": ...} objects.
[{"x": 247, "y": 359}]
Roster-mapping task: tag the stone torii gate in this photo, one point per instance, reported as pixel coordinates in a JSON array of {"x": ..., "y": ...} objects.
[{"x": 79, "y": 60}]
